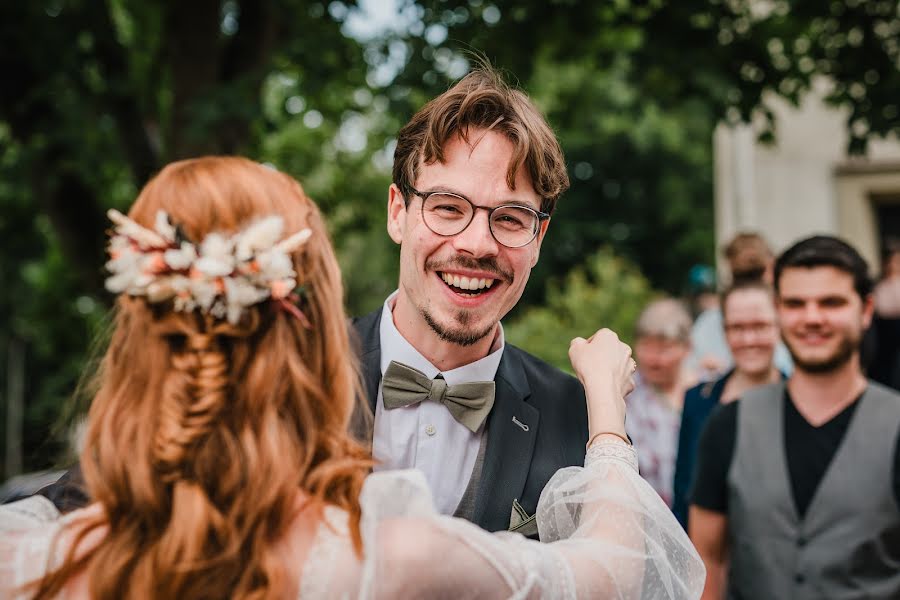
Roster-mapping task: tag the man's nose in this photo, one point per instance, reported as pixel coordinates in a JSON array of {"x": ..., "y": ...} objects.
[
  {"x": 813, "y": 313},
  {"x": 477, "y": 239}
]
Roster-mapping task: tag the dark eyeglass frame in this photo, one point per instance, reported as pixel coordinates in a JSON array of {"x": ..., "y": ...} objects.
[{"x": 541, "y": 216}]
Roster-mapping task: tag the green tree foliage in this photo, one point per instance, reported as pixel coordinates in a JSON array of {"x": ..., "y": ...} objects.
[
  {"x": 98, "y": 95},
  {"x": 632, "y": 85},
  {"x": 606, "y": 291}
]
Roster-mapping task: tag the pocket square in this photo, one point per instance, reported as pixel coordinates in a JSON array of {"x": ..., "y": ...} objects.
[{"x": 521, "y": 522}]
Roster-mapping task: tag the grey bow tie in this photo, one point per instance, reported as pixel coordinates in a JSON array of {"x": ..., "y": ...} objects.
[{"x": 469, "y": 403}]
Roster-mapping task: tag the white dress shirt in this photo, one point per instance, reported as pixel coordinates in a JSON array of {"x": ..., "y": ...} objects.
[{"x": 425, "y": 436}]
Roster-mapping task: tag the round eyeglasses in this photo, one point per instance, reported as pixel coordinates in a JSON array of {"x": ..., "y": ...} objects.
[{"x": 446, "y": 214}]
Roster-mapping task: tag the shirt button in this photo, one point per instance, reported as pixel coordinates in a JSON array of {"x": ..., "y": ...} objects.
[
  {"x": 430, "y": 430},
  {"x": 801, "y": 541}
]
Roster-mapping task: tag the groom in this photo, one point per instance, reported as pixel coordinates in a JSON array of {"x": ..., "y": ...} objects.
[{"x": 477, "y": 173}]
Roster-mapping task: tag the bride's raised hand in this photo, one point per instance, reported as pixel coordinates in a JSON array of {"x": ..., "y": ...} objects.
[{"x": 604, "y": 365}]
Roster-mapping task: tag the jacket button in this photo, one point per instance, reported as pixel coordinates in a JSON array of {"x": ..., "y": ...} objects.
[
  {"x": 801, "y": 541},
  {"x": 799, "y": 577}
]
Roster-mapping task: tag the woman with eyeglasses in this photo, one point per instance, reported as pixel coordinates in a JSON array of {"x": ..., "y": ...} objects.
[{"x": 751, "y": 331}]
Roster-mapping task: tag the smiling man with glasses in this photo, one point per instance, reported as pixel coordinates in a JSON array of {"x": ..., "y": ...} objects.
[
  {"x": 477, "y": 174},
  {"x": 446, "y": 213}
]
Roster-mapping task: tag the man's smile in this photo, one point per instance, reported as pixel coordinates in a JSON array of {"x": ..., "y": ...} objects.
[{"x": 469, "y": 286}]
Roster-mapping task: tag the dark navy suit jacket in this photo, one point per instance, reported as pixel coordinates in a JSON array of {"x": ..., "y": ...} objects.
[
  {"x": 537, "y": 426},
  {"x": 699, "y": 402}
]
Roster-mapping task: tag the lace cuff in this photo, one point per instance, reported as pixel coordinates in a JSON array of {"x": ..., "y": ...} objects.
[{"x": 605, "y": 451}]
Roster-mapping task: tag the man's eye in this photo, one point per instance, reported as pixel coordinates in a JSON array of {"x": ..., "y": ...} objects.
[
  {"x": 512, "y": 219},
  {"x": 509, "y": 220},
  {"x": 834, "y": 302},
  {"x": 448, "y": 209}
]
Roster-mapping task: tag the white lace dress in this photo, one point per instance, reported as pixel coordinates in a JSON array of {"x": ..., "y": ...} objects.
[{"x": 605, "y": 532}]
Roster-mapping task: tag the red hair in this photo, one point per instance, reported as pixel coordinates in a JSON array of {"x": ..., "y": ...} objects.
[{"x": 202, "y": 434}]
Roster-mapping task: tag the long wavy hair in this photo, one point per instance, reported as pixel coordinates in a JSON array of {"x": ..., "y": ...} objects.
[{"x": 203, "y": 435}]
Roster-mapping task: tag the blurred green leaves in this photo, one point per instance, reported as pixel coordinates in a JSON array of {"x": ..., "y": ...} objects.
[
  {"x": 606, "y": 291},
  {"x": 98, "y": 95}
]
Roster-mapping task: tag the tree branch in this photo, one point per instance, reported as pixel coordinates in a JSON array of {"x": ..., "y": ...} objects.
[
  {"x": 119, "y": 96},
  {"x": 192, "y": 54}
]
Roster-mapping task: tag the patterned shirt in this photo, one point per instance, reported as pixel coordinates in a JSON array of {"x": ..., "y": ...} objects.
[{"x": 653, "y": 423}]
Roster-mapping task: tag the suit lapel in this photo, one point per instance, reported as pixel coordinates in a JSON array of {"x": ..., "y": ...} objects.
[
  {"x": 368, "y": 342},
  {"x": 512, "y": 431},
  {"x": 512, "y": 426}
]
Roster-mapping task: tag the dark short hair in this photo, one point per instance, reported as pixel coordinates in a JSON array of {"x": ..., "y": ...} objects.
[
  {"x": 741, "y": 285},
  {"x": 826, "y": 251},
  {"x": 482, "y": 100}
]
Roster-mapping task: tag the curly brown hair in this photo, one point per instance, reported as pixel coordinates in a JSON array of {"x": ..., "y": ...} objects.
[{"x": 482, "y": 100}]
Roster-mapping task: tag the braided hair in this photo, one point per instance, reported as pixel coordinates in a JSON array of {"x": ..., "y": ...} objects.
[{"x": 207, "y": 437}]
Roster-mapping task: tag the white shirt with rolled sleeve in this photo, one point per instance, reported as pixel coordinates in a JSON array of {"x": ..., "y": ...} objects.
[{"x": 425, "y": 436}]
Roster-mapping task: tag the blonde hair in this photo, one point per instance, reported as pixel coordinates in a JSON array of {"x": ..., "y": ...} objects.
[
  {"x": 202, "y": 434},
  {"x": 665, "y": 318}
]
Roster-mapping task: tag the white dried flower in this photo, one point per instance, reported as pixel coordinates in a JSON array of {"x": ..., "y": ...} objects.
[
  {"x": 275, "y": 265},
  {"x": 227, "y": 274},
  {"x": 182, "y": 258},
  {"x": 140, "y": 234},
  {"x": 261, "y": 235},
  {"x": 164, "y": 228},
  {"x": 203, "y": 292},
  {"x": 240, "y": 294},
  {"x": 295, "y": 241}
]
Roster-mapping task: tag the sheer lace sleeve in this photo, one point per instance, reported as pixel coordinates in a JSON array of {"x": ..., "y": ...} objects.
[
  {"x": 27, "y": 530},
  {"x": 609, "y": 534}
]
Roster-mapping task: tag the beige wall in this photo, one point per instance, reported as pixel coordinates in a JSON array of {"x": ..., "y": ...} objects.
[{"x": 805, "y": 183}]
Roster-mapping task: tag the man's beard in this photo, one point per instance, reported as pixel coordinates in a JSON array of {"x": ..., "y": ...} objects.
[
  {"x": 460, "y": 336},
  {"x": 463, "y": 336},
  {"x": 847, "y": 347}
]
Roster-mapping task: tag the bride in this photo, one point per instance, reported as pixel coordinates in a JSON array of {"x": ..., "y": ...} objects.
[{"x": 217, "y": 451}]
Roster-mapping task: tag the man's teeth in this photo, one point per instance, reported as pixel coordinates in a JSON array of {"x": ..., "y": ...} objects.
[{"x": 466, "y": 283}]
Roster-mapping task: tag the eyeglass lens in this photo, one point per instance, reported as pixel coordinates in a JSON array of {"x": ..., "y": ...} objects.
[{"x": 448, "y": 214}]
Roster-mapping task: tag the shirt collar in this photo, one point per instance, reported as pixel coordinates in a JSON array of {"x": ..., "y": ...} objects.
[{"x": 395, "y": 347}]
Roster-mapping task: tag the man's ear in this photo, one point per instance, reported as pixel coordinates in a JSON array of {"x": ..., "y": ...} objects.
[
  {"x": 542, "y": 231},
  {"x": 868, "y": 311},
  {"x": 396, "y": 214}
]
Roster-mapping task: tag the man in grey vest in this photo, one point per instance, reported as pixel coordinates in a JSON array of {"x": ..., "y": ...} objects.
[{"x": 797, "y": 487}]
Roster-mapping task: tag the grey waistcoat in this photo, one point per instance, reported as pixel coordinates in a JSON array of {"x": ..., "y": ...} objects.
[{"x": 848, "y": 543}]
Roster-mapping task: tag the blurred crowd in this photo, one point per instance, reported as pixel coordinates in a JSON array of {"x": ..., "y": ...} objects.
[{"x": 712, "y": 460}]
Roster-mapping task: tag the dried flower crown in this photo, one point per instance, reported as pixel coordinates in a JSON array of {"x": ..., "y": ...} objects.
[{"x": 222, "y": 275}]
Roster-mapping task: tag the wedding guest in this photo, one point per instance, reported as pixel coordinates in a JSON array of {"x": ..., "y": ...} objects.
[
  {"x": 477, "y": 174},
  {"x": 797, "y": 493},
  {"x": 751, "y": 330},
  {"x": 884, "y": 366},
  {"x": 662, "y": 341},
  {"x": 218, "y": 457},
  {"x": 749, "y": 258}
]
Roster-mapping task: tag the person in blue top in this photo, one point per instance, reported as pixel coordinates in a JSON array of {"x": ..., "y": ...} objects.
[{"x": 751, "y": 331}]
